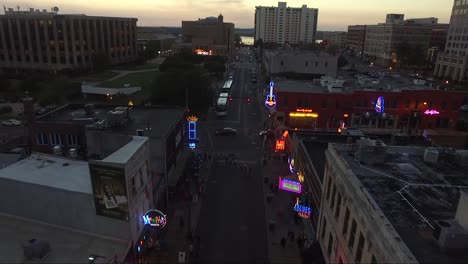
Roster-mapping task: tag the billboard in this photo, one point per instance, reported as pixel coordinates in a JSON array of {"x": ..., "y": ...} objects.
[{"x": 110, "y": 191}]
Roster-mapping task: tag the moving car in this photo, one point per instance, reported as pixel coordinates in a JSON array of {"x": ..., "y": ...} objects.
[
  {"x": 11, "y": 122},
  {"x": 227, "y": 131}
]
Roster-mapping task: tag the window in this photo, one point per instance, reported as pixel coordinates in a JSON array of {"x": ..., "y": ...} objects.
[
  {"x": 55, "y": 139},
  {"x": 299, "y": 102},
  {"x": 416, "y": 105},
  {"x": 351, "y": 237},
  {"x": 346, "y": 221},
  {"x": 407, "y": 104},
  {"x": 324, "y": 227},
  {"x": 307, "y": 63},
  {"x": 360, "y": 247},
  {"x": 333, "y": 197},
  {"x": 42, "y": 139},
  {"x": 338, "y": 207},
  {"x": 281, "y": 62},
  {"x": 72, "y": 140},
  {"x": 330, "y": 243}
]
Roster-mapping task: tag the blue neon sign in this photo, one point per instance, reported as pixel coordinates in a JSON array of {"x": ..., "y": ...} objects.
[
  {"x": 302, "y": 210},
  {"x": 192, "y": 130},
  {"x": 270, "y": 101},
  {"x": 380, "y": 105}
]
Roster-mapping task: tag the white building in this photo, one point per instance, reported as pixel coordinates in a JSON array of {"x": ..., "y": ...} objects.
[
  {"x": 103, "y": 199},
  {"x": 284, "y": 24},
  {"x": 452, "y": 63}
]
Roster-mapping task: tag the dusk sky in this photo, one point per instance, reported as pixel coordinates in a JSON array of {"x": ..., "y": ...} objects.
[{"x": 333, "y": 14}]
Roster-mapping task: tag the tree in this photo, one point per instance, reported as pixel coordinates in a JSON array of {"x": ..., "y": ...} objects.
[
  {"x": 332, "y": 49},
  {"x": 237, "y": 39},
  {"x": 151, "y": 50},
  {"x": 100, "y": 61},
  {"x": 342, "y": 61}
]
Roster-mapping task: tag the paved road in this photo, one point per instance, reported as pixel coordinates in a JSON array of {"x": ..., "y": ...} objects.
[{"x": 232, "y": 224}]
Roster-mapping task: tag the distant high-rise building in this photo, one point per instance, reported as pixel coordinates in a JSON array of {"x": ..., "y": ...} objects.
[
  {"x": 335, "y": 37},
  {"x": 356, "y": 37},
  {"x": 208, "y": 36},
  {"x": 392, "y": 18},
  {"x": 43, "y": 40},
  {"x": 284, "y": 24},
  {"x": 452, "y": 63}
]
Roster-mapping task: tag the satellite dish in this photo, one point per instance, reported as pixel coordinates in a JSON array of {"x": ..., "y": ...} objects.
[{"x": 55, "y": 9}]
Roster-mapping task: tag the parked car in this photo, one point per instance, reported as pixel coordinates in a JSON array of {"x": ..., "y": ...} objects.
[
  {"x": 11, "y": 122},
  {"x": 227, "y": 131}
]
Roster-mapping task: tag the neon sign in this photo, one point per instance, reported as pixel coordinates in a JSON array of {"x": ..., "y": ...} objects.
[
  {"x": 291, "y": 165},
  {"x": 280, "y": 145},
  {"x": 299, "y": 114},
  {"x": 290, "y": 186},
  {"x": 302, "y": 210},
  {"x": 270, "y": 101},
  {"x": 155, "y": 218},
  {"x": 192, "y": 131},
  {"x": 202, "y": 52},
  {"x": 304, "y": 110},
  {"x": 431, "y": 112},
  {"x": 380, "y": 105}
]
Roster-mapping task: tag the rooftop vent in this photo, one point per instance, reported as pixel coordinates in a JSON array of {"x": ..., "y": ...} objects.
[
  {"x": 371, "y": 151},
  {"x": 431, "y": 155},
  {"x": 57, "y": 150},
  {"x": 450, "y": 235},
  {"x": 407, "y": 169},
  {"x": 73, "y": 153},
  {"x": 89, "y": 109}
]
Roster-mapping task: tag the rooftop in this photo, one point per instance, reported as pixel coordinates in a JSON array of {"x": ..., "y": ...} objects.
[
  {"x": 126, "y": 152},
  {"x": 66, "y": 246},
  {"x": 410, "y": 192},
  {"x": 294, "y": 86},
  {"x": 61, "y": 173},
  {"x": 156, "y": 121}
]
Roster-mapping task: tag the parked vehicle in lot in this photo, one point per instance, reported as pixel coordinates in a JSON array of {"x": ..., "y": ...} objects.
[
  {"x": 227, "y": 131},
  {"x": 11, "y": 122}
]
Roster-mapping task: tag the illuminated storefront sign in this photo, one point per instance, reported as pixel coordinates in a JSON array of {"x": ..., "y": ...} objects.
[
  {"x": 290, "y": 186},
  {"x": 202, "y": 52},
  {"x": 304, "y": 110},
  {"x": 270, "y": 101},
  {"x": 192, "y": 131},
  {"x": 380, "y": 105},
  {"x": 298, "y": 114},
  {"x": 431, "y": 112},
  {"x": 155, "y": 218},
  {"x": 280, "y": 145},
  {"x": 302, "y": 210}
]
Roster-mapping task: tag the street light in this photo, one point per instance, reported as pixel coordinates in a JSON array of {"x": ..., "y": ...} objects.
[{"x": 92, "y": 258}]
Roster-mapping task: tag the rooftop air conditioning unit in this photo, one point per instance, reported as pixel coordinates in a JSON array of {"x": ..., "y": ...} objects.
[
  {"x": 450, "y": 235},
  {"x": 73, "y": 153},
  {"x": 57, "y": 150},
  {"x": 431, "y": 155},
  {"x": 36, "y": 249},
  {"x": 140, "y": 132}
]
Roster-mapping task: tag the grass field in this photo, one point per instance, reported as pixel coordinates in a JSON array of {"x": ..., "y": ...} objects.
[{"x": 96, "y": 77}]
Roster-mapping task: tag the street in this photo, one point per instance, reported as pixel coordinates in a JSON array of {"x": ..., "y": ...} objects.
[{"x": 232, "y": 223}]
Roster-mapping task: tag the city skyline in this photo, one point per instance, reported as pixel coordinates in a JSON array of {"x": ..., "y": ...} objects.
[{"x": 241, "y": 12}]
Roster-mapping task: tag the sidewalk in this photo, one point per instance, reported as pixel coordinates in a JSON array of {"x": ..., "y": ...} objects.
[
  {"x": 279, "y": 212},
  {"x": 176, "y": 238}
]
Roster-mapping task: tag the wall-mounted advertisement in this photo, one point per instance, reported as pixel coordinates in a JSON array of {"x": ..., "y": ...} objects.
[{"x": 110, "y": 191}]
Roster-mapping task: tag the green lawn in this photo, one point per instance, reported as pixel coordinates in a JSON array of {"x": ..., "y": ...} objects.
[
  {"x": 142, "y": 79},
  {"x": 96, "y": 77},
  {"x": 138, "y": 67}
]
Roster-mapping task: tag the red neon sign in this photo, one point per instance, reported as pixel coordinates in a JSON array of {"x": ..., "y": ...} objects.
[
  {"x": 279, "y": 145},
  {"x": 304, "y": 110}
]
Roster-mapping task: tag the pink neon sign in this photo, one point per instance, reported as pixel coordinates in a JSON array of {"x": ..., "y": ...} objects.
[
  {"x": 290, "y": 186},
  {"x": 431, "y": 112}
]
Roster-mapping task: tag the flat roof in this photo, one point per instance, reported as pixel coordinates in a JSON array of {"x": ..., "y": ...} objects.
[
  {"x": 299, "y": 86},
  {"x": 67, "y": 246},
  {"x": 47, "y": 170},
  {"x": 159, "y": 118},
  {"x": 126, "y": 152},
  {"x": 432, "y": 189}
]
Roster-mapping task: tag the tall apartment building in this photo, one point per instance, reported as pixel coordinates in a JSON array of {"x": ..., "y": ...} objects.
[
  {"x": 211, "y": 35},
  {"x": 356, "y": 37},
  {"x": 452, "y": 63},
  {"x": 42, "y": 40},
  {"x": 390, "y": 204},
  {"x": 284, "y": 24}
]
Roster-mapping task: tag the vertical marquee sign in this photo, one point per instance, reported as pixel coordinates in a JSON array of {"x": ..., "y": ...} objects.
[
  {"x": 270, "y": 101},
  {"x": 192, "y": 131},
  {"x": 290, "y": 186}
]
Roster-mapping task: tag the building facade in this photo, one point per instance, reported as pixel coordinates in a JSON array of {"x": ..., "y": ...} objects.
[
  {"x": 392, "y": 18},
  {"x": 284, "y": 24},
  {"x": 306, "y": 106},
  {"x": 452, "y": 63},
  {"x": 209, "y": 36},
  {"x": 382, "y": 40},
  {"x": 42, "y": 40},
  {"x": 156, "y": 37},
  {"x": 300, "y": 62},
  {"x": 356, "y": 37},
  {"x": 335, "y": 38}
]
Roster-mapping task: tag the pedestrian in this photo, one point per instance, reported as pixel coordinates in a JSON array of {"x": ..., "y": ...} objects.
[{"x": 283, "y": 242}]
